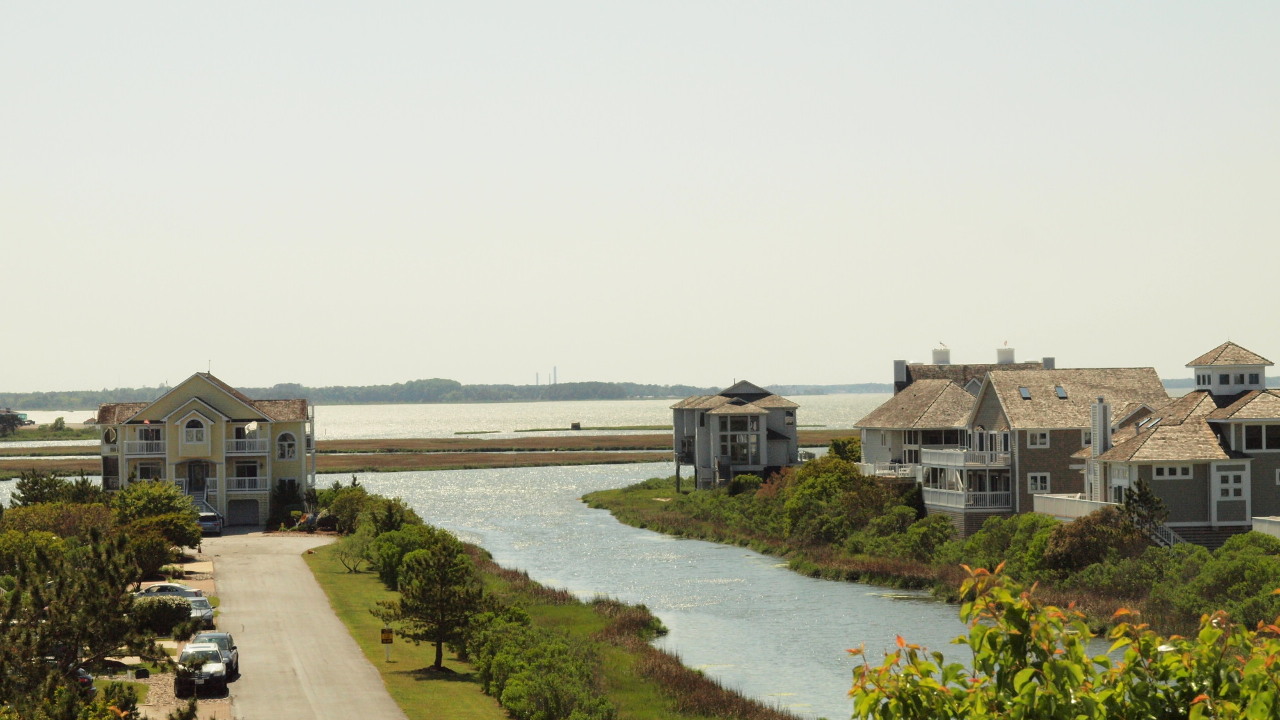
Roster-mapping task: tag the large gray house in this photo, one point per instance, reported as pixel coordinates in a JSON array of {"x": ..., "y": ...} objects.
[{"x": 743, "y": 429}]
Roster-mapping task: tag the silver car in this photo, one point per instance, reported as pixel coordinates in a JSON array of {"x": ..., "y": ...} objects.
[
  {"x": 201, "y": 610},
  {"x": 227, "y": 644}
]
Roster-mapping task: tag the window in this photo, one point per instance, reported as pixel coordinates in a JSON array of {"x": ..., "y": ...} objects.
[
  {"x": 149, "y": 434},
  {"x": 1262, "y": 437},
  {"x": 150, "y": 471},
  {"x": 1037, "y": 439},
  {"x": 194, "y": 432},
  {"x": 1086, "y": 438},
  {"x": 1025, "y": 393},
  {"x": 286, "y": 447},
  {"x": 1060, "y": 391},
  {"x": 1224, "y": 379},
  {"x": 1253, "y": 378},
  {"x": 1037, "y": 483},
  {"x": 1230, "y": 485},
  {"x": 1172, "y": 471}
]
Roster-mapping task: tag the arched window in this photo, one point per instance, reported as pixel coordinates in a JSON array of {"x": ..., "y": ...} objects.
[
  {"x": 286, "y": 447},
  {"x": 194, "y": 431}
]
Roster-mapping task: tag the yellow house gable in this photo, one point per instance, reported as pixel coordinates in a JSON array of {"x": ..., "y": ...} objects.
[{"x": 198, "y": 387}]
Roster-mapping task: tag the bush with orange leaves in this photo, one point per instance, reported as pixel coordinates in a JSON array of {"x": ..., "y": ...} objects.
[{"x": 1033, "y": 661}]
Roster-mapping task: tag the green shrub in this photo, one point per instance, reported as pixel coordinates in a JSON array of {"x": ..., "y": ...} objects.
[{"x": 161, "y": 614}]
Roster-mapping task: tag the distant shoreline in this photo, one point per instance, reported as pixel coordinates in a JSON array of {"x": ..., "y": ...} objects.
[{"x": 421, "y": 454}]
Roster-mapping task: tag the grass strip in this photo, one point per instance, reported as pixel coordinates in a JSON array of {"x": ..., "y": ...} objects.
[
  {"x": 643, "y": 683},
  {"x": 420, "y": 694}
]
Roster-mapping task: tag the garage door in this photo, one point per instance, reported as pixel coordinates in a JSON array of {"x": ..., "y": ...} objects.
[{"x": 242, "y": 512}]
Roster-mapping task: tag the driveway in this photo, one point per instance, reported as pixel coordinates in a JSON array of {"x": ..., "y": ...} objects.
[{"x": 296, "y": 658}]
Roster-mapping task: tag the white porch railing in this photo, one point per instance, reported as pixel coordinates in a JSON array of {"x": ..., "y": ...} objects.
[
  {"x": 248, "y": 484},
  {"x": 1268, "y": 525},
  {"x": 143, "y": 447},
  {"x": 964, "y": 458},
  {"x": 968, "y": 500},
  {"x": 248, "y": 447},
  {"x": 1067, "y": 506},
  {"x": 888, "y": 469}
]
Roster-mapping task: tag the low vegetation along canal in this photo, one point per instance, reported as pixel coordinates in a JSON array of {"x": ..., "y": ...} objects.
[{"x": 741, "y": 616}]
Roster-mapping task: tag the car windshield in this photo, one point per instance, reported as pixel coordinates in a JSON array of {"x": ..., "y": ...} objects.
[
  {"x": 199, "y": 603},
  {"x": 190, "y": 656},
  {"x": 221, "y": 641}
]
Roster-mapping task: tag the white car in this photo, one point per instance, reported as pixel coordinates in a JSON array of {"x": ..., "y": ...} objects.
[
  {"x": 200, "y": 666},
  {"x": 167, "y": 588}
]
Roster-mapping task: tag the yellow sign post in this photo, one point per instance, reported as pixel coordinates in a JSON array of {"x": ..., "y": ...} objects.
[{"x": 386, "y": 643}]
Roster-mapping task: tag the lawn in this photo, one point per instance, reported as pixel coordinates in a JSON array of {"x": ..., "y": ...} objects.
[{"x": 420, "y": 694}]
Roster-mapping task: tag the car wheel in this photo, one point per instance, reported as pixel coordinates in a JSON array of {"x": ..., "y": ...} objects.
[{"x": 179, "y": 690}]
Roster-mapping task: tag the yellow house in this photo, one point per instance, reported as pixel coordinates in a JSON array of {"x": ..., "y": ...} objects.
[{"x": 222, "y": 448}]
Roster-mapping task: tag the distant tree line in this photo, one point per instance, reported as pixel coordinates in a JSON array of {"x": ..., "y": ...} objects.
[{"x": 435, "y": 390}]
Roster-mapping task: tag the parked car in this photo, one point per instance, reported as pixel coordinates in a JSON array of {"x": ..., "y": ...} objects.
[
  {"x": 201, "y": 610},
  {"x": 199, "y": 665},
  {"x": 166, "y": 588},
  {"x": 210, "y": 523},
  {"x": 225, "y": 643},
  {"x": 84, "y": 681}
]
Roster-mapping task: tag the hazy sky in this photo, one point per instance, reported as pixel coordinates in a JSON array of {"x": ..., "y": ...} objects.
[{"x": 668, "y": 192}]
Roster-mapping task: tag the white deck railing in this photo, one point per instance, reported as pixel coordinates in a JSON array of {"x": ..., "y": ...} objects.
[
  {"x": 969, "y": 500},
  {"x": 248, "y": 484},
  {"x": 964, "y": 458},
  {"x": 1067, "y": 506},
  {"x": 144, "y": 447},
  {"x": 887, "y": 469},
  {"x": 248, "y": 447},
  {"x": 1268, "y": 525}
]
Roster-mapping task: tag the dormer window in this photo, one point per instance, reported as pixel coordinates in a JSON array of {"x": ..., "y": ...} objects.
[{"x": 193, "y": 432}]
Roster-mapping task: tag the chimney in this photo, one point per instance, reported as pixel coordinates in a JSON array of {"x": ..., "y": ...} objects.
[
  {"x": 941, "y": 356},
  {"x": 899, "y": 374},
  {"x": 1049, "y": 363},
  {"x": 1004, "y": 356}
]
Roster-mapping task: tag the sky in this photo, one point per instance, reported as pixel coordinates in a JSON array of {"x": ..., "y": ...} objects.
[{"x": 660, "y": 192}]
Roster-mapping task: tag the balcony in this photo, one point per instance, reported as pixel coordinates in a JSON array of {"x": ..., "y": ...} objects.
[
  {"x": 964, "y": 458},
  {"x": 965, "y": 500},
  {"x": 248, "y": 484},
  {"x": 248, "y": 447},
  {"x": 888, "y": 469},
  {"x": 1067, "y": 506},
  {"x": 144, "y": 447}
]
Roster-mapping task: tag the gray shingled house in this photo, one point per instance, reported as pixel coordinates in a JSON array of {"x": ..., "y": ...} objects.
[
  {"x": 743, "y": 429},
  {"x": 1212, "y": 455}
]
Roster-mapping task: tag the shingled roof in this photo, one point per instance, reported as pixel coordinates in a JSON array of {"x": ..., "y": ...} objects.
[
  {"x": 1250, "y": 404},
  {"x": 1229, "y": 353},
  {"x": 1042, "y": 408},
  {"x": 923, "y": 404},
  {"x": 741, "y": 391},
  {"x": 1175, "y": 433},
  {"x": 289, "y": 410}
]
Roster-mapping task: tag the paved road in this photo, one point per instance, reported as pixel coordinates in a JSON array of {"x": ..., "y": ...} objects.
[{"x": 296, "y": 658}]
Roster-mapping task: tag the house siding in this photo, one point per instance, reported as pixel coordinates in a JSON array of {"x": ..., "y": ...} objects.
[
  {"x": 1186, "y": 499},
  {"x": 1065, "y": 473}
]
